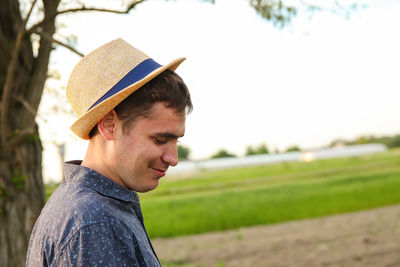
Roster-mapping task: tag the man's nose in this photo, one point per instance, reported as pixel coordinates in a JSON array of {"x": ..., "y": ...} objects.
[{"x": 170, "y": 155}]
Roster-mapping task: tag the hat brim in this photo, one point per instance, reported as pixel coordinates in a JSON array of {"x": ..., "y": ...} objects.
[{"x": 87, "y": 121}]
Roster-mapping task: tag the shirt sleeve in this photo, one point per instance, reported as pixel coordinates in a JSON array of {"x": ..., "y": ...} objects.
[{"x": 98, "y": 244}]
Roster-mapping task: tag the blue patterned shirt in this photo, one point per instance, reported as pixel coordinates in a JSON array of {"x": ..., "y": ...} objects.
[{"x": 90, "y": 221}]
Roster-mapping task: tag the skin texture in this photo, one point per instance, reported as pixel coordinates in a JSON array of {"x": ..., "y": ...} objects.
[{"x": 138, "y": 158}]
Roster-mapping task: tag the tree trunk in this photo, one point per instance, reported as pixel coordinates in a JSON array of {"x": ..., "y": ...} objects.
[
  {"x": 21, "y": 184},
  {"x": 22, "y": 200}
]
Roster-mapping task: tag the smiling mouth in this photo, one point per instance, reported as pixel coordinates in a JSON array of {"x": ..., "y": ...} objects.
[{"x": 159, "y": 172}]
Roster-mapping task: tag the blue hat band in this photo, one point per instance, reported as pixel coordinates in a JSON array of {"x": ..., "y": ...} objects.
[{"x": 135, "y": 75}]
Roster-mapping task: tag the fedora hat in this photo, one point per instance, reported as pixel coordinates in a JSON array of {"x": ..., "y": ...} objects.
[{"x": 105, "y": 77}]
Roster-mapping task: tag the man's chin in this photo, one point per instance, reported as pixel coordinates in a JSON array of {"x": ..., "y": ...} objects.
[{"x": 148, "y": 187}]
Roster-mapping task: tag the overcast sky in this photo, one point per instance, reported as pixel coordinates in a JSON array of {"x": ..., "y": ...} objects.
[{"x": 314, "y": 81}]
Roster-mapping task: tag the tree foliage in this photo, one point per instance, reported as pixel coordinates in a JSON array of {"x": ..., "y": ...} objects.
[
  {"x": 293, "y": 148},
  {"x": 276, "y": 11},
  {"x": 261, "y": 149},
  {"x": 389, "y": 141},
  {"x": 183, "y": 152},
  {"x": 281, "y": 12},
  {"x": 222, "y": 153}
]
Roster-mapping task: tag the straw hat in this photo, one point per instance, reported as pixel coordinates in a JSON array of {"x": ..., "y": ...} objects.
[{"x": 105, "y": 77}]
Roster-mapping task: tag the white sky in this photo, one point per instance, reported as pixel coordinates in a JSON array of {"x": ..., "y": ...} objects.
[{"x": 314, "y": 81}]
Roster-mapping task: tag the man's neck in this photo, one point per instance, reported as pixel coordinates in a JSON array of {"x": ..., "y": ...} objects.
[
  {"x": 96, "y": 158},
  {"x": 93, "y": 158}
]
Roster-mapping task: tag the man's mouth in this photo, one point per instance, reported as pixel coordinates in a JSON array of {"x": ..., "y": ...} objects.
[{"x": 159, "y": 172}]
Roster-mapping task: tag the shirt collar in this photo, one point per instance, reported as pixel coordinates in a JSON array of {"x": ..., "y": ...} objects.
[{"x": 76, "y": 173}]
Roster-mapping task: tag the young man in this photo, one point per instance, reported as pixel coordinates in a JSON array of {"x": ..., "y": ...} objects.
[{"x": 133, "y": 111}]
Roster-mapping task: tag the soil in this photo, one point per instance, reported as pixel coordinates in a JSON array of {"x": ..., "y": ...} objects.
[{"x": 366, "y": 238}]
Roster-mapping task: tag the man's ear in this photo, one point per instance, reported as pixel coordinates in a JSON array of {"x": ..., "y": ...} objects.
[{"x": 107, "y": 126}]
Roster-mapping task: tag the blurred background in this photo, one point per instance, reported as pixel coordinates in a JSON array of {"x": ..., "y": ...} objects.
[
  {"x": 291, "y": 155},
  {"x": 323, "y": 75}
]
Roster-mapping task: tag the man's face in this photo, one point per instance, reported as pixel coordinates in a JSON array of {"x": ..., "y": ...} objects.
[{"x": 143, "y": 154}]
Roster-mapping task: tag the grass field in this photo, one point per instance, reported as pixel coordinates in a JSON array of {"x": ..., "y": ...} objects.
[{"x": 228, "y": 199}]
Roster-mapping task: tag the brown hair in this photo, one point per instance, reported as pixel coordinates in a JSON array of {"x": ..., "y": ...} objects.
[{"x": 168, "y": 88}]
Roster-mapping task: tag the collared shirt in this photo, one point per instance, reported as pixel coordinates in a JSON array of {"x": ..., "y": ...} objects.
[{"x": 90, "y": 221}]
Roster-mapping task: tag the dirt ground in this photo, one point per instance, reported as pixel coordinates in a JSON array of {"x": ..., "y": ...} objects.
[{"x": 367, "y": 238}]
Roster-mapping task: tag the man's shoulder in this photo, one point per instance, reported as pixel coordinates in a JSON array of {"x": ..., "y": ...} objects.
[
  {"x": 80, "y": 204},
  {"x": 69, "y": 209},
  {"x": 72, "y": 207}
]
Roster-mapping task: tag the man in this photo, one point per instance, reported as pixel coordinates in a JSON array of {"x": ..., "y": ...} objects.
[{"x": 133, "y": 111}]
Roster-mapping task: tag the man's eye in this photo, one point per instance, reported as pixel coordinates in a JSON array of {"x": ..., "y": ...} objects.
[{"x": 160, "y": 141}]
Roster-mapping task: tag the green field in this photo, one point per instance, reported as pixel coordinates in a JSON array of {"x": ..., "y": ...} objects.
[{"x": 228, "y": 199}]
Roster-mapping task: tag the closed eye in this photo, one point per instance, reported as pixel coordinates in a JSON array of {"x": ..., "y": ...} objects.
[
  {"x": 159, "y": 141},
  {"x": 161, "y": 138}
]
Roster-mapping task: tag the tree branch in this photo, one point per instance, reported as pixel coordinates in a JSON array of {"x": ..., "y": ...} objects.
[
  {"x": 26, "y": 105},
  {"x": 83, "y": 8},
  {"x": 51, "y": 39},
  {"x": 10, "y": 77},
  {"x": 17, "y": 140}
]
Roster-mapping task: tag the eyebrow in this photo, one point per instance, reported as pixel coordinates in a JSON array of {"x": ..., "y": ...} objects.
[{"x": 168, "y": 135}]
